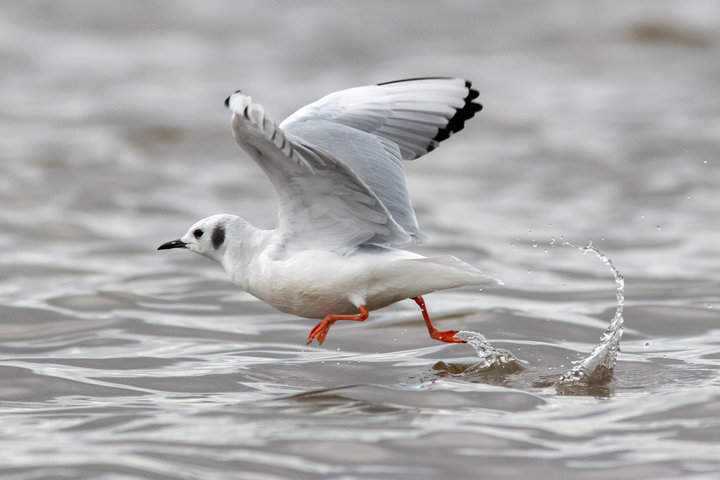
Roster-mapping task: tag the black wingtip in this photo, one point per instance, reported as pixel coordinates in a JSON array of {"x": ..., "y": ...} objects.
[
  {"x": 457, "y": 122},
  {"x": 227, "y": 100}
]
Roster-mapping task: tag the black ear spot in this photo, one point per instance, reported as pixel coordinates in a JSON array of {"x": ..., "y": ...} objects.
[
  {"x": 198, "y": 233},
  {"x": 218, "y": 236}
]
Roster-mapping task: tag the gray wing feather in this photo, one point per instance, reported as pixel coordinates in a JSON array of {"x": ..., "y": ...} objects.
[
  {"x": 372, "y": 129},
  {"x": 322, "y": 203},
  {"x": 337, "y": 164},
  {"x": 417, "y": 114},
  {"x": 375, "y": 160}
]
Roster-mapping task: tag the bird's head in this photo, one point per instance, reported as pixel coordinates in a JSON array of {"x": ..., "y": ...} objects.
[{"x": 208, "y": 237}]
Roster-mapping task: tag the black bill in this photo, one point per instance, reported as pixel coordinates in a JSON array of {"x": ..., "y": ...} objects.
[{"x": 172, "y": 244}]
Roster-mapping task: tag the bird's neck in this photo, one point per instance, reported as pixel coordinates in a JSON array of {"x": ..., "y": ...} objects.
[{"x": 239, "y": 255}]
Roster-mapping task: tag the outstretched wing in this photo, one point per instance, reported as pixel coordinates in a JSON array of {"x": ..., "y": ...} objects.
[
  {"x": 416, "y": 114},
  {"x": 322, "y": 203},
  {"x": 337, "y": 164},
  {"x": 372, "y": 129}
]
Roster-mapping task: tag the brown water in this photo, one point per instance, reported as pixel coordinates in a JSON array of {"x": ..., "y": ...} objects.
[{"x": 601, "y": 123}]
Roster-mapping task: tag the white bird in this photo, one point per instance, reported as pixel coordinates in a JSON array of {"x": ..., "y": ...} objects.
[{"x": 344, "y": 215}]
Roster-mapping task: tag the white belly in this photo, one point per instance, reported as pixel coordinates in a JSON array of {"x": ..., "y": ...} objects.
[
  {"x": 312, "y": 284},
  {"x": 317, "y": 283}
]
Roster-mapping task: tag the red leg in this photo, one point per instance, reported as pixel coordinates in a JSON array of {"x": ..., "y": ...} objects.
[
  {"x": 446, "y": 336},
  {"x": 321, "y": 329}
]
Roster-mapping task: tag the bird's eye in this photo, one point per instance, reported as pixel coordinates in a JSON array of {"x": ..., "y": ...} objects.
[{"x": 198, "y": 233}]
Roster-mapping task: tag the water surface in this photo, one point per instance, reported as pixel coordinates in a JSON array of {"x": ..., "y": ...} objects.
[{"x": 117, "y": 361}]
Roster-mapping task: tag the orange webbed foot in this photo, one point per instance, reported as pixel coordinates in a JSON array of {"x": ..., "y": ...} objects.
[
  {"x": 319, "y": 332},
  {"x": 447, "y": 336}
]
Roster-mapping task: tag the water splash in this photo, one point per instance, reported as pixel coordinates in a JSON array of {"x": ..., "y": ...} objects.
[
  {"x": 595, "y": 369},
  {"x": 598, "y": 366},
  {"x": 492, "y": 357}
]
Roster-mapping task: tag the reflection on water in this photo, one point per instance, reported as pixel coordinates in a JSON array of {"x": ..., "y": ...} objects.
[{"x": 118, "y": 363}]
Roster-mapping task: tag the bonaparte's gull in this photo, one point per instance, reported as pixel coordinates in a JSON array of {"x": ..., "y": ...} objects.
[{"x": 344, "y": 215}]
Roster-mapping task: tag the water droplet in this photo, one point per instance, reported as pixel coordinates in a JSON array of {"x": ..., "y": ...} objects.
[
  {"x": 709, "y": 305},
  {"x": 647, "y": 344},
  {"x": 534, "y": 245},
  {"x": 657, "y": 226}
]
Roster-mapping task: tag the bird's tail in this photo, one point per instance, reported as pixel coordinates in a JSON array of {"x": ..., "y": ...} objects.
[{"x": 420, "y": 276}]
